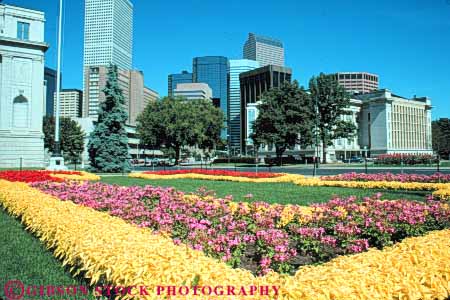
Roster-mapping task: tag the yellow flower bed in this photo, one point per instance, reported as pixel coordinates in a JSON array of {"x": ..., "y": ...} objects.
[
  {"x": 443, "y": 194},
  {"x": 84, "y": 176},
  {"x": 394, "y": 185},
  {"x": 282, "y": 178},
  {"x": 110, "y": 249}
]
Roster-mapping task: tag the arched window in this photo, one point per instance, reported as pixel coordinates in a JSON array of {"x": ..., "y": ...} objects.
[{"x": 20, "y": 112}]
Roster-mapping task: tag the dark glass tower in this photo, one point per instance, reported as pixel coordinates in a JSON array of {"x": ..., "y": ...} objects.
[
  {"x": 174, "y": 79},
  {"x": 213, "y": 70}
]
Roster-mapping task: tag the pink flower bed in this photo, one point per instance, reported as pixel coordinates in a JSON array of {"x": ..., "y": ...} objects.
[
  {"x": 435, "y": 178},
  {"x": 216, "y": 173},
  {"x": 249, "y": 235}
]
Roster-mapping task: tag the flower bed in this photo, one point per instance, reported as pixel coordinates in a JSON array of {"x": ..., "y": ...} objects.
[
  {"x": 109, "y": 250},
  {"x": 40, "y": 175},
  {"x": 217, "y": 173},
  {"x": 435, "y": 178},
  {"x": 258, "y": 236}
]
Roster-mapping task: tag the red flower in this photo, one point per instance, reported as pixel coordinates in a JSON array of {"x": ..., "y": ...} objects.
[
  {"x": 217, "y": 173},
  {"x": 34, "y": 176}
]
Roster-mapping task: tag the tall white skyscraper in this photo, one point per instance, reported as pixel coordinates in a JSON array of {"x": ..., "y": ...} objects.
[
  {"x": 108, "y": 33},
  {"x": 265, "y": 50},
  {"x": 108, "y": 39},
  {"x": 237, "y": 66}
]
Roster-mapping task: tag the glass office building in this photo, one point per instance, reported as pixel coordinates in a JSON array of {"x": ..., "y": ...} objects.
[
  {"x": 174, "y": 79},
  {"x": 213, "y": 70},
  {"x": 237, "y": 66}
]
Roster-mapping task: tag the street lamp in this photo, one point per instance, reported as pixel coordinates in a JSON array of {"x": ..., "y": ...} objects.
[{"x": 57, "y": 161}]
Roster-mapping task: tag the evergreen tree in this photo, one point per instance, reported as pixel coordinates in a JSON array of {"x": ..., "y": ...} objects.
[
  {"x": 108, "y": 143},
  {"x": 329, "y": 103},
  {"x": 284, "y": 118}
]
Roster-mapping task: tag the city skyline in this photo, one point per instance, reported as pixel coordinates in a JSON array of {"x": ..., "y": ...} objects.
[{"x": 401, "y": 42}]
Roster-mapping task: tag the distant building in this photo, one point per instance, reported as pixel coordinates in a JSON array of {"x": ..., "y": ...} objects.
[
  {"x": 175, "y": 79},
  {"x": 393, "y": 124},
  {"x": 237, "y": 66},
  {"x": 193, "y": 91},
  {"x": 213, "y": 70},
  {"x": 149, "y": 96},
  {"x": 265, "y": 50},
  {"x": 22, "y": 91},
  {"x": 358, "y": 82},
  {"x": 131, "y": 83},
  {"x": 108, "y": 33},
  {"x": 385, "y": 124},
  {"x": 71, "y": 101},
  {"x": 253, "y": 84},
  {"x": 50, "y": 87}
]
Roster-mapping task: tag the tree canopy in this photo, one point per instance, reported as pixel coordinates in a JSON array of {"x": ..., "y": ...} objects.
[
  {"x": 71, "y": 137},
  {"x": 284, "y": 118},
  {"x": 329, "y": 102},
  {"x": 108, "y": 143},
  {"x": 175, "y": 122},
  {"x": 441, "y": 137}
]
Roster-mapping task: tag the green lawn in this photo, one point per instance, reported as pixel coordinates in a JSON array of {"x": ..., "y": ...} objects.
[
  {"x": 24, "y": 258},
  {"x": 282, "y": 193}
]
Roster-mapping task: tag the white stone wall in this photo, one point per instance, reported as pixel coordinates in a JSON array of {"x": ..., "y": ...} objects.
[{"x": 21, "y": 90}]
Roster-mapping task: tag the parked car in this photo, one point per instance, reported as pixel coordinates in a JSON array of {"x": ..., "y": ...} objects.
[{"x": 354, "y": 159}]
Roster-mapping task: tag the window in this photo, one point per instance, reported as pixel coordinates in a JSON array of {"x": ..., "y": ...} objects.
[
  {"x": 20, "y": 112},
  {"x": 23, "y": 31}
]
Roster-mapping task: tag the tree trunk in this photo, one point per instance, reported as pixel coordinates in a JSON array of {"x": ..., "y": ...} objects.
[
  {"x": 324, "y": 150},
  {"x": 177, "y": 154},
  {"x": 279, "y": 152}
]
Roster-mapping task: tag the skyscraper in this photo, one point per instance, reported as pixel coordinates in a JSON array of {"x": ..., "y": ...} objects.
[
  {"x": 174, "y": 79},
  {"x": 265, "y": 50},
  {"x": 70, "y": 103},
  {"x": 108, "y": 33},
  {"x": 213, "y": 70},
  {"x": 237, "y": 66}
]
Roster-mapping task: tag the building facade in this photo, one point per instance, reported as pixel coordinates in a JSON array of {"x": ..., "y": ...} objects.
[
  {"x": 358, "y": 82},
  {"x": 193, "y": 91},
  {"x": 213, "y": 70},
  {"x": 175, "y": 79},
  {"x": 108, "y": 33},
  {"x": 71, "y": 101},
  {"x": 253, "y": 84},
  {"x": 22, "y": 91},
  {"x": 50, "y": 87},
  {"x": 237, "y": 66},
  {"x": 386, "y": 124},
  {"x": 393, "y": 124},
  {"x": 131, "y": 83},
  {"x": 265, "y": 50}
]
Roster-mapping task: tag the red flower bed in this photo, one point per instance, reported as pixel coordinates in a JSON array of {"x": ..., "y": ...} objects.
[
  {"x": 217, "y": 173},
  {"x": 34, "y": 176}
]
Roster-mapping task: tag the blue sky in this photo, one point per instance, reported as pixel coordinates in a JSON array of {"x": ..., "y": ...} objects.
[{"x": 406, "y": 42}]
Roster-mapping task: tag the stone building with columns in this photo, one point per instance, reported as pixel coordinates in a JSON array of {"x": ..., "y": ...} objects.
[{"x": 22, "y": 49}]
